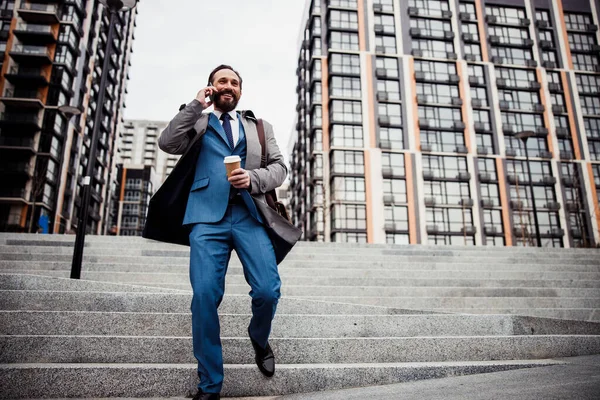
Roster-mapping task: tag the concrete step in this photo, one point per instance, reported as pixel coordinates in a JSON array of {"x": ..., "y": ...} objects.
[
  {"x": 357, "y": 289},
  {"x": 43, "y": 300},
  {"x": 465, "y": 303},
  {"x": 286, "y": 325},
  {"x": 81, "y": 380},
  {"x": 288, "y": 270},
  {"x": 167, "y": 257},
  {"x": 154, "y": 250},
  {"x": 310, "y": 266},
  {"x": 93, "y": 240},
  {"x": 235, "y": 276},
  {"x": 579, "y": 314},
  {"x": 238, "y": 350},
  {"x": 37, "y": 281}
]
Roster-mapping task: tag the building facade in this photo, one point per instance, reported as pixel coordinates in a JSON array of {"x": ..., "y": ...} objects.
[
  {"x": 138, "y": 144},
  {"x": 136, "y": 183},
  {"x": 409, "y": 114},
  {"x": 52, "y": 55}
]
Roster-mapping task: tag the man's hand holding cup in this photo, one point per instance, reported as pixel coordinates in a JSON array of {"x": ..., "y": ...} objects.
[{"x": 237, "y": 176}]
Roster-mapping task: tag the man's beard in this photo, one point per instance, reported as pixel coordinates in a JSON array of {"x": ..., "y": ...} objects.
[{"x": 225, "y": 105}]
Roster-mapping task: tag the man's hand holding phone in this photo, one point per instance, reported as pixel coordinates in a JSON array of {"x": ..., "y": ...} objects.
[{"x": 203, "y": 94}]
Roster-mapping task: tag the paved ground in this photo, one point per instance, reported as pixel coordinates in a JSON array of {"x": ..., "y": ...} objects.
[{"x": 577, "y": 379}]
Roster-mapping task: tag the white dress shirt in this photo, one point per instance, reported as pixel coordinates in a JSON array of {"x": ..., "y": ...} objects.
[{"x": 235, "y": 124}]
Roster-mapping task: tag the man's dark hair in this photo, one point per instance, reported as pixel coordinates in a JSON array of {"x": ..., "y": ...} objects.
[{"x": 220, "y": 67}]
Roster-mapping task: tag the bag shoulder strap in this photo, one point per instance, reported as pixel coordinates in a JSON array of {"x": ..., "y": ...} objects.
[{"x": 260, "y": 126}]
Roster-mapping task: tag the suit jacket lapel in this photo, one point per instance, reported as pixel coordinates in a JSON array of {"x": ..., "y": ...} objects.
[
  {"x": 252, "y": 145},
  {"x": 213, "y": 121}
]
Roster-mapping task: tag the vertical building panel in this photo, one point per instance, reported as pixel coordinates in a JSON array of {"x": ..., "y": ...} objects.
[{"x": 503, "y": 189}]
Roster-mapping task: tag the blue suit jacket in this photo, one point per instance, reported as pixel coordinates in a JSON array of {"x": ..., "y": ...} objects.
[{"x": 209, "y": 193}]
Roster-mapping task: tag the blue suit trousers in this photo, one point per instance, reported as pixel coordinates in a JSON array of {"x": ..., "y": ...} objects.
[{"x": 211, "y": 245}]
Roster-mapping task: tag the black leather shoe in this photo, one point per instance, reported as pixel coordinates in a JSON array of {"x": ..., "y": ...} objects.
[
  {"x": 207, "y": 396},
  {"x": 265, "y": 359}
]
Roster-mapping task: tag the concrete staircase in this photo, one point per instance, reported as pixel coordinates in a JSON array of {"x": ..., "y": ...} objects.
[{"x": 350, "y": 316}]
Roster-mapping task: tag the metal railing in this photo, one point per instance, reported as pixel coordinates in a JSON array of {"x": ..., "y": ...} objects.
[
  {"x": 51, "y": 8},
  {"x": 23, "y": 94},
  {"x": 19, "y": 118},
  {"x": 34, "y": 50},
  {"x": 16, "y": 141},
  {"x": 29, "y": 71},
  {"x": 37, "y": 28}
]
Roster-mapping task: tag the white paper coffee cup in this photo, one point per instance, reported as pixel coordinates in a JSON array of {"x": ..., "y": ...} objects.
[{"x": 231, "y": 163}]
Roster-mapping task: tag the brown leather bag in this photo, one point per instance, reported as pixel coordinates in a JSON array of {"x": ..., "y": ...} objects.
[{"x": 271, "y": 196}]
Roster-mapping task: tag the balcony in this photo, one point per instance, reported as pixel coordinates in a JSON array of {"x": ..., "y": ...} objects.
[
  {"x": 17, "y": 144},
  {"x": 23, "y": 169},
  {"x": 22, "y": 98},
  {"x": 13, "y": 195},
  {"x": 22, "y": 122},
  {"x": 36, "y": 55},
  {"x": 30, "y": 77},
  {"x": 35, "y": 34},
  {"x": 39, "y": 13}
]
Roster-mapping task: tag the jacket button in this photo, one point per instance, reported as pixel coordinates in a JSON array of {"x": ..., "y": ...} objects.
[{"x": 272, "y": 224}]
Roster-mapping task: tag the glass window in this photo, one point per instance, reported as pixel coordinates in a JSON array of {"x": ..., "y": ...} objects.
[
  {"x": 512, "y": 55},
  {"x": 433, "y": 48},
  {"x": 448, "y": 193},
  {"x": 346, "y": 136},
  {"x": 508, "y": 35},
  {"x": 391, "y": 137},
  {"x": 592, "y": 128},
  {"x": 393, "y": 163},
  {"x": 480, "y": 93},
  {"x": 347, "y": 162},
  {"x": 445, "y": 166},
  {"x": 343, "y": 3},
  {"x": 473, "y": 50},
  {"x": 349, "y": 216},
  {"x": 449, "y": 219},
  {"x": 437, "y": 93},
  {"x": 396, "y": 188},
  {"x": 432, "y": 8},
  {"x": 506, "y": 15},
  {"x": 385, "y": 44},
  {"x": 345, "y": 86},
  {"x": 543, "y": 15},
  {"x": 346, "y": 188},
  {"x": 577, "y": 22},
  {"x": 346, "y": 111},
  {"x": 588, "y": 84},
  {"x": 385, "y": 5},
  {"x": 431, "y": 27},
  {"x": 390, "y": 65},
  {"x": 390, "y": 88},
  {"x": 385, "y": 23},
  {"x": 446, "y": 141},
  {"x": 347, "y": 64},
  {"x": 343, "y": 20},
  {"x": 435, "y": 71},
  {"x": 440, "y": 117},
  {"x": 520, "y": 100},
  {"x": 581, "y": 41},
  {"x": 397, "y": 215},
  {"x": 584, "y": 62},
  {"x": 393, "y": 112},
  {"x": 343, "y": 40},
  {"x": 468, "y": 8}
]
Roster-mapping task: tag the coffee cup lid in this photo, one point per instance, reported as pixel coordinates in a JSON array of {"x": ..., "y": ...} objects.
[{"x": 231, "y": 159}]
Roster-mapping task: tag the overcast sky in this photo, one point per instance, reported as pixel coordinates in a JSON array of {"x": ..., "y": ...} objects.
[{"x": 178, "y": 42}]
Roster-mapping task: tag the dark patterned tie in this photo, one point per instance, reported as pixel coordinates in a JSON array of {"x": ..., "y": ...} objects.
[{"x": 227, "y": 127}]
